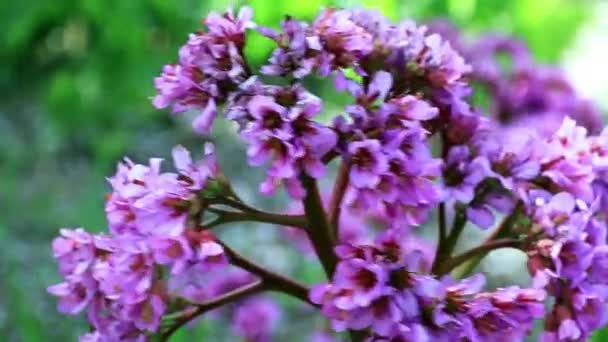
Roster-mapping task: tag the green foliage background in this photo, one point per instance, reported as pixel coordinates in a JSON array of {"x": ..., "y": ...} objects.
[{"x": 75, "y": 83}]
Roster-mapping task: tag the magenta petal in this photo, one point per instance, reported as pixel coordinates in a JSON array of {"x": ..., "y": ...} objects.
[
  {"x": 181, "y": 158},
  {"x": 481, "y": 216},
  {"x": 202, "y": 123}
]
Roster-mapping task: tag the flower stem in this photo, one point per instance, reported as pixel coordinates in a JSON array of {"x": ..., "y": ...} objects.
[
  {"x": 272, "y": 281},
  {"x": 319, "y": 230},
  {"x": 483, "y": 249},
  {"x": 501, "y": 231},
  {"x": 226, "y": 216},
  {"x": 269, "y": 281},
  {"x": 195, "y": 311},
  {"x": 335, "y": 204},
  {"x": 441, "y": 237},
  {"x": 444, "y": 251},
  {"x": 357, "y": 335}
]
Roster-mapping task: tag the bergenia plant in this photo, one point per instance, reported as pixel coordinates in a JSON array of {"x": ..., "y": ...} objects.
[{"x": 413, "y": 154}]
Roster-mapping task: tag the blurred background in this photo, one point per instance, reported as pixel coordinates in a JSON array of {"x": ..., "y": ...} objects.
[{"x": 75, "y": 87}]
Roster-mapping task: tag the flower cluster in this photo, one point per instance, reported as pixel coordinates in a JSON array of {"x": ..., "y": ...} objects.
[
  {"x": 118, "y": 278},
  {"x": 253, "y": 319},
  {"x": 380, "y": 286},
  {"x": 146, "y": 202},
  {"x": 529, "y": 94},
  {"x": 569, "y": 260},
  {"x": 334, "y": 40},
  {"x": 211, "y": 64},
  {"x": 389, "y": 154},
  {"x": 409, "y": 143},
  {"x": 407, "y": 77},
  {"x": 359, "y": 230},
  {"x": 522, "y": 94},
  {"x": 568, "y": 253},
  {"x": 278, "y": 125}
]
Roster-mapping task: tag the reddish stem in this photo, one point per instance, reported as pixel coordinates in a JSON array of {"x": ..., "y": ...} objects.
[
  {"x": 335, "y": 204},
  {"x": 195, "y": 311},
  {"x": 272, "y": 280},
  {"x": 269, "y": 281},
  {"x": 489, "y": 246},
  {"x": 319, "y": 231},
  {"x": 226, "y": 216}
]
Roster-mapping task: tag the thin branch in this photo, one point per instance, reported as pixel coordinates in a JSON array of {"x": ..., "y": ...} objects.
[
  {"x": 195, "y": 311},
  {"x": 442, "y": 235},
  {"x": 226, "y": 216},
  {"x": 358, "y": 335},
  {"x": 443, "y": 249},
  {"x": 459, "y": 259},
  {"x": 272, "y": 280},
  {"x": 335, "y": 204},
  {"x": 238, "y": 204},
  {"x": 319, "y": 230},
  {"x": 269, "y": 281},
  {"x": 503, "y": 230},
  {"x": 450, "y": 241},
  {"x": 457, "y": 227},
  {"x": 505, "y": 226},
  {"x": 329, "y": 156}
]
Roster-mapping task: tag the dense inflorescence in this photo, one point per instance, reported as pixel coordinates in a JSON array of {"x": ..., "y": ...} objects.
[
  {"x": 117, "y": 277},
  {"x": 521, "y": 92},
  {"x": 382, "y": 287},
  {"x": 409, "y": 143}
]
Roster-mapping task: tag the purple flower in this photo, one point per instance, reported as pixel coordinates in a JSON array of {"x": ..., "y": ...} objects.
[
  {"x": 175, "y": 251},
  {"x": 399, "y": 111},
  {"x": 230, "y": 27},
  {"x": 147, "y": 202},
  {"x": 410, "y": 140},
  {"x": 522, "y": 94},
  {"x": 567, "y": 261},
  {"x": 377, "y": 89},
  {"x": 445, "y": 66},
  {"x": 379, "y": 286},
  {"x": 74, "y": 294},
  {"x": 334, "y": 40},
  {"x": 368, "y": 162},
  {"x": 255, "y": 319},
  {"x": 164, "y": 210},
  {"x": 115, "y": 331},
  {"x": 363, "y": 279},
  {"x": 184, "y": 88},
  {"x": 133, "y": 269},
  {"x": 506, "y": 313},
  {"x": 277, "y": 124},
  {"x": 130, "y": 183},
  {"x": 404, "y": 187},
  {"x": 146, "y": 315},
  {"x": 74, "y": 251},
  {"x": 567, "y": 161},
  {"x": 462, "y": 173},
  {"x": 211, "y": 63},
  {"x": 207, "y": 249},
  {"x": 194, "y": 175},
  {"x": 293, "y": 54},
  {"x": 513, "y": 159},
  {"x": 339, "y": 41},
  {"x": 218, "y": 52},
  {"x": 92, "y": 337}
]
